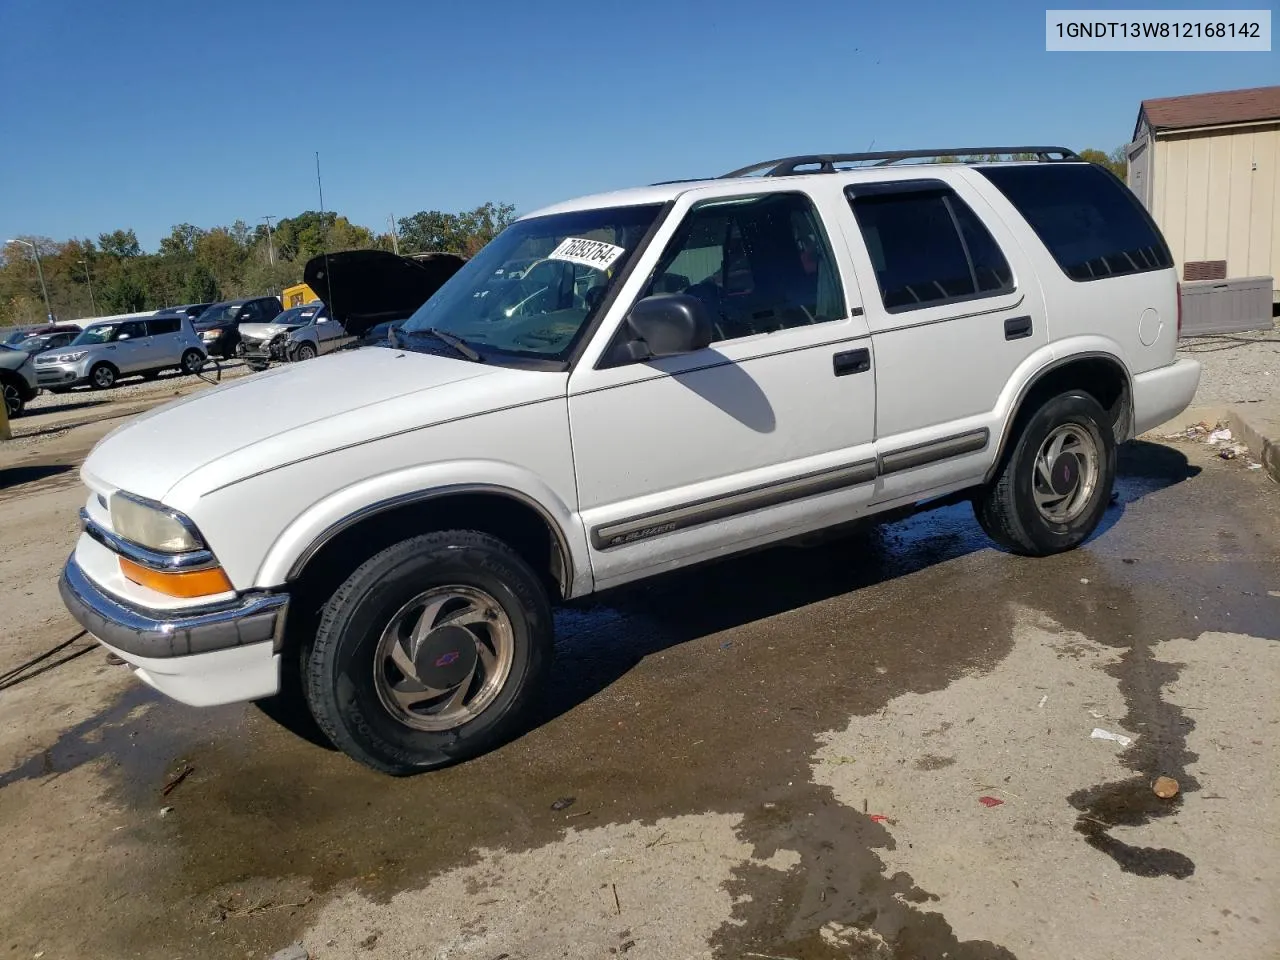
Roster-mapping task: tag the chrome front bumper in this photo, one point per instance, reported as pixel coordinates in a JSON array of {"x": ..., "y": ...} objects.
[{"x": 136, "y": 632}]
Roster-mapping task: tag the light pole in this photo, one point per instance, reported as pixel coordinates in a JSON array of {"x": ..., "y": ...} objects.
[
  {"x": 39, "y": 270},
  {"x": 88, "y": 276},
  {"x": 271, "y": 247},
  {"x": 395, "y": 240}
]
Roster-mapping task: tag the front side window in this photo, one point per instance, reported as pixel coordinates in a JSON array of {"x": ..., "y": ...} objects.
[
  {"x": 759, "y": 263},
  {"x": 926, "y": 245},
  {"x": 219, "y": 313},
  {"x": 574, "y": 259},
  {"x": 133, "y": 329}
]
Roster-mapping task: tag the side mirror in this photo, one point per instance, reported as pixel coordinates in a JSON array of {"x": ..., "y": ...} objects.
[
  {"x": 666, "y": 325},
  {"x": 122, "y": 337}
]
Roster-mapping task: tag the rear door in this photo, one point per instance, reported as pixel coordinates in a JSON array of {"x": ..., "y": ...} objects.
[
  {"x": 166, "y": 340},
  {"x": 954, "y": 310}
]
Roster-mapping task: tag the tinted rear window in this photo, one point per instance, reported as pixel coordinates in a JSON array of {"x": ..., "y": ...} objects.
[
  {"x": 159, "y": 325},
  {"x": 1091, "y": 223}
]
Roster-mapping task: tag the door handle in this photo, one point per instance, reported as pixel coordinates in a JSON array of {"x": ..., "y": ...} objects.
[
  {"x": 851, "y": 361},
  {"x": 1017, "y": 328}
]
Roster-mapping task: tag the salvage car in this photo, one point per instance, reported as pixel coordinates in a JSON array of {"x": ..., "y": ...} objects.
[
  {"x": 17, "y": 379},
  {"x": 264, "y": 342},
  {"x": 45, "y": 341},
  {"x": 688, "y": 370}
]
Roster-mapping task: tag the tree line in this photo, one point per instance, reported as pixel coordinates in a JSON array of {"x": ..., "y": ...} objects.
[{"x": 112, "y": 274}]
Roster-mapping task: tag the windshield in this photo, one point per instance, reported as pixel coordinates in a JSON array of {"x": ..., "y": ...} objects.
[
  {"x": 219, "y": 313},
  {"x": 297, "y": 317},
  {"x": 99, "y": 333},
  {"x": 572, "y": 261},
  {"x": 16, "y": 336},
  {"x": 32, "y": 344}
]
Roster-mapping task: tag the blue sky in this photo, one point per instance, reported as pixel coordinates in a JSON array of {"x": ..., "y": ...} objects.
[{"x": 144, "y": 114}]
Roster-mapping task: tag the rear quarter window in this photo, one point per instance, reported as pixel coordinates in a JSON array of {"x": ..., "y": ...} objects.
[{"x": 1091, "y": 223}]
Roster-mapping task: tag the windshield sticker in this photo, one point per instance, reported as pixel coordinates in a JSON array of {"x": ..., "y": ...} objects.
[{"x": 589, "y": 253}]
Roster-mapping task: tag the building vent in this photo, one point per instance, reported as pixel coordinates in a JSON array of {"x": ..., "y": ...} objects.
[{"x": 1204, "y": 270}]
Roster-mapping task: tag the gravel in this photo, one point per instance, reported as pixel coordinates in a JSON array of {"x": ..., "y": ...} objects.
[{"x": 1236, "y": 368}]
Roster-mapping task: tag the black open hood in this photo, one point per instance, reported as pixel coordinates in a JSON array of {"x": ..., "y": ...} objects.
[{"x": 363, "y": 288}]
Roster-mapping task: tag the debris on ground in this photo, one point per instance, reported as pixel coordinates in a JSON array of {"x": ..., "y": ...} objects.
[
  {"x": 836, "y": 761},
  {"x": 1084, "y": 580},
  {"x": 294, "y": 951},
  {"x": 1221, "y": 435},
  {"x": 990, "y": 801},
  {"x": 1166, "y": 788},
  {"x": 165, "y": 811},
  {"x": 879, "y": 818},
  {"x": 173, "y": 784},
  {"x": 1232, "y": 451},
  {"x": 564, "y": 803},
  {"x": 1120, "y": 738},
  {"x": 1043, "y": 701}
]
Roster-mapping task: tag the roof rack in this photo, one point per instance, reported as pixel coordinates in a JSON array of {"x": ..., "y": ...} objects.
[{"x": 826, "y": 162}]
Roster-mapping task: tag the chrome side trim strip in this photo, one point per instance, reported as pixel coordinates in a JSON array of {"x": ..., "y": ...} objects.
[
  {"x": 623, "y": 532},
  {"x": 164, "y": 562},
  {"x": 922, "y": 453}
]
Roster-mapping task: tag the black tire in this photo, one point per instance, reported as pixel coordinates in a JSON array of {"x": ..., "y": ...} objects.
[
  {"x": 339, "y": 664},
  {"x": 192, "y": 361},
  {"x": 1007, "y": 509},
  {"x": 304, "y": 351},
  {"x": 103, "y": 376},
  {"x": 14, "y": 402}
]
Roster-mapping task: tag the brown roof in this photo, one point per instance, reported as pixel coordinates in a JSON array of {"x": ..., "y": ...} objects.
[{"x": 1212, "y": 109}]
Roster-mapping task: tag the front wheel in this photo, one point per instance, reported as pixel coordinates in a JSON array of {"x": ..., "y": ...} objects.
[
  {"x": 430, "y": 653},
  {"x": 103, "y": 376},
  {"x": 304, "y": 352},
  {"x": 192, "y": 361},
  {"x": 1053, "y": 487}
]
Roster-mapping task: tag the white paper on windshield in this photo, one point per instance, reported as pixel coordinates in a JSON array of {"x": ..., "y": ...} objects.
[{"x": 589, "y": 253}]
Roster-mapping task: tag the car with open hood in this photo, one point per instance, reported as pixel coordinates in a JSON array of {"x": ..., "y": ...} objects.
[
  {"x": 675, "y": 373},
  {"x": 265, "y": 342}
]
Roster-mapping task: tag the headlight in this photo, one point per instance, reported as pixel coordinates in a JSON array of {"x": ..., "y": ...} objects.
[
  {"x": 152, "y": 527},
  {"x": 210, "y": 334},
  {"x": 71, "y": 357}
]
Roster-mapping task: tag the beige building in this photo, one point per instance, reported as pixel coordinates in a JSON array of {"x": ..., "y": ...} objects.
[{"x": 1208, "y": 168}]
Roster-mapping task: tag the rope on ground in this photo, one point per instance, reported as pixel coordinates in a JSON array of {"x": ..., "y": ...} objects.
[{"x": 32, "y": 668}]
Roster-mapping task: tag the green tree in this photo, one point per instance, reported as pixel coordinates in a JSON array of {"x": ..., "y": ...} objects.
[
  {"x": 201, "y": 286},
  {"x": 119, "y": 243},
  {"x": 181, "y": 241},
  {"x": 124, "y": 294},
  {"x": 463, "y": 233},
  {"x": 1114, "y": 161}
]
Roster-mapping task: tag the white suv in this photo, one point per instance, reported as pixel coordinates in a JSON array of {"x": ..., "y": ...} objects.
[{"x": 685, "y": 371}]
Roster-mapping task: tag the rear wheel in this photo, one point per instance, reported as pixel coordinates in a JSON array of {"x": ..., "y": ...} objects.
[
  {"x": 192, "y": 361},
  {"x": 103, "y": 376},
  {"x": 430, "y": 653},
  {"x": 14, "y": 403},
  {"x": 1054, "y": 485}
]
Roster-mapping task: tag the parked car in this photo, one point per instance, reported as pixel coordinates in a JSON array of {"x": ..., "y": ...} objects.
[
  {"x": 105, "y": 352},
  {"x": 322, "y": 335},
  {"x": 264, "y": 342},
  {"x": 22, "y": 333},
  {"x": 189, "y": 310},
  {"x": 364, "y": 288},
  {"x": 219, "y": 325},
  {"x": 17, "y": 379},
  {"x": 690, "y": 370},
  {"x": 46, "y": 341}
]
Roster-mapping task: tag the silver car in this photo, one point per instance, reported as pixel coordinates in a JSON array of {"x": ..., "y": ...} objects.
[
  {"x": 105, "y": 352},
  {"x": 17, "y": 378}
]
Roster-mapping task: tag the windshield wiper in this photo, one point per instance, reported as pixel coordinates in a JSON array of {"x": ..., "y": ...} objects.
[{"x": 457, "y": 343}]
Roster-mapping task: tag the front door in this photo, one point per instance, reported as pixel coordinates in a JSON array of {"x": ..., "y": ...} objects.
[
  {"x": 766, "y": 431},
  {"x": 132, "y": 348}
]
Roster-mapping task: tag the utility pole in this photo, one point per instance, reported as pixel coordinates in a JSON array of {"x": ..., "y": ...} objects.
[
  {"x": 88, "y": 276},
  {"x": 271, "y": 246},
  {"x": 395, "y": 240},
  {"x": 39, "y": 270}
]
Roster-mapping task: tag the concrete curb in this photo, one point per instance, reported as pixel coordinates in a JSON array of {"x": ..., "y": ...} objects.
[{"x": 1257, "y": 426}]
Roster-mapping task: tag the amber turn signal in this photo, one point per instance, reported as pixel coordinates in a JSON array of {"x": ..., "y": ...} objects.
[{"x": 185, "y": 583}]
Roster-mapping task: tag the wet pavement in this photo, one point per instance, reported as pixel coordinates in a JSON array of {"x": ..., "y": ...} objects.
[{"x": 712, "y": 697}]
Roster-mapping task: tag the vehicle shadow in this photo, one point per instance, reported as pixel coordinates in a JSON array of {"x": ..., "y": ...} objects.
[
  {"x": 64, "y": 407},
  {"x": 601, "y": 638},
  {"x": 16, "y": 476}
]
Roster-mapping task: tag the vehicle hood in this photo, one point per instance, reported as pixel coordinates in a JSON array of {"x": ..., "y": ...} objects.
[
  {"x": 363, "y": 288},
  {"x": 265, "y": 331},
  {"x": 178, "y": 452},
  {"x": 13, "y": 359}
]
